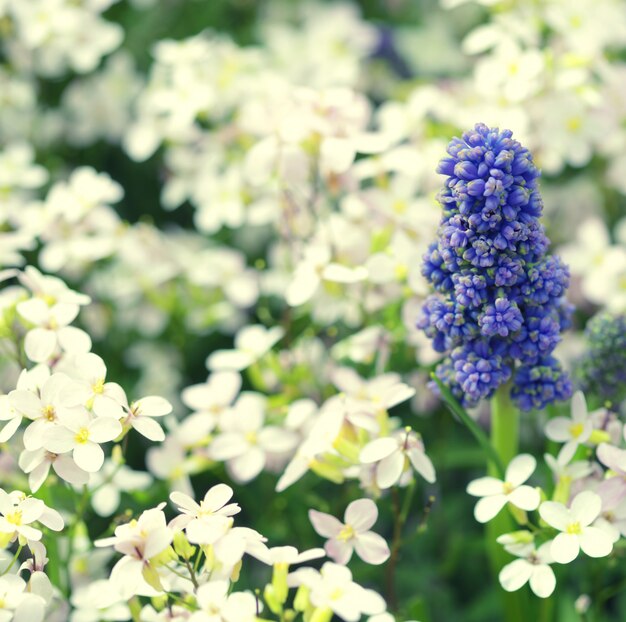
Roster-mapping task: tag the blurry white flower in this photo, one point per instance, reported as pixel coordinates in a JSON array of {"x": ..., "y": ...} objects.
[
  {"x": 251, "y": 343},
  {"x": 314, "y": 269},
  {"x": 98, "y": 600},
  {"x": 574, "y": 431},
  {"x": 396, "y": 454},
  {"x": 110, "y": 481},
  {"x": 533, "y": 568},
  {"x": 17, "y": 604},
  {"x": 244, "y": 442},
  {"x": 51, "y": 329},
  {"x": 216, "y": 603},
  {"x": 332, "y": 587}
]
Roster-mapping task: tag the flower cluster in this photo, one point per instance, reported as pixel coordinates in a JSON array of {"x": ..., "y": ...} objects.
[
  {"x": 197, "y": 556},
  {"x": 602, "y": 368},
  {"x": 499, "y": 307},
  {"x": 585, "y": 507}
]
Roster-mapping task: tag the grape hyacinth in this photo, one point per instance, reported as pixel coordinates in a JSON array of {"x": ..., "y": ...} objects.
[
  {"x": 498, "y": 307},
  {"x": 602, "y": 369}
]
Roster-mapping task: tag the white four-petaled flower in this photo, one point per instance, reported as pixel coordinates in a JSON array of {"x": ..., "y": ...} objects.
[{"x": 496, "y": 493}]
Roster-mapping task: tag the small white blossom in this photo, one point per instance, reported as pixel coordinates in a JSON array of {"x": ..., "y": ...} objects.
[{"x": 496, "y": 493}]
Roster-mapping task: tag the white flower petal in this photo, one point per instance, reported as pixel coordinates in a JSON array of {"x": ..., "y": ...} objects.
[
  {"x": 596, "y": 542},
  {"x": 485, "y": 487},
  {"x": 378, "y": 449},
  {"x": 88, "y": 456},
  {"x": 39, "y": 344},
  {"x": 565, "y": 548},
  {"x": 324, "y": 524},
  {"x": 525, "y": 498},
  {"x": 542, "y": 581},
  {"x": 579, "y": 407},
  {"x": 372, "y": 548},
  {"x": 488, "y": 507},
  {"x": 555, "y": 514},
  {"x": 514, "y": 575},
  {"x": 586, "y": 507},
  {"x": 149, "y": 428},
  {"x": 520, "y": 469},
  {"x": 361, "y": 514},
  {"x": 389, "y": 470}
]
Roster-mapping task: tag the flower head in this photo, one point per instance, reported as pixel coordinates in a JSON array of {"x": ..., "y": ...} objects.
[
  {"x": 498, "y": 307},
  {"x": 602, "y": 368},
  {"x": 353, "y": 534}
]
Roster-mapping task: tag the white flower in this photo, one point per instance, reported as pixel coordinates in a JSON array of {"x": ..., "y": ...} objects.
[
  {"x": 217, "y": 605},
  {"x": 211, "y": 399},
  {"x": 43, "y": 406},
  {"x": 332, "y": 588},
  {"x": 496, "y": 493},
  {"x": 19, "y": 512},
  {"x": 98, "y": 600},
  {"x": 140, "y": 416},
  {"x": 574, "y": 523},
  {"x": 82, "y": 434},
  {"x": 563, "y": 469},
  {"x": 574, "y": 431},
  {"x": 139, "y": 541},
  {"x": 355, "y": 534},
  {"x": 532, "y": 568},
  {"x": 52, "y": 330},
  {"x": 396, "y": 454},
  {"x": 251, "y": 343},
  {"x": 209, "y": 520},
  {"x": 51, "y": 289},
  {"x": 315, "y": 268},
  {"x": 16, "y": 604},
  {"x": 245, "y": 443},
  {"x": 36, "y": 464},
  {"x": 110, "y": 481},
  {"x": 88, "y": 387}
]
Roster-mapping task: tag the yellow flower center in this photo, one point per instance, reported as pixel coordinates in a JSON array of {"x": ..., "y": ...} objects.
[
  {"x": 573, "y": 124},
  {"x": 346, "y": 533},
  {"x": 336, "y": 593},
  {"x": 576, "y": 429},
  {"x": 574, "y": 528},
  {"x": 49, "y": 412},
  {"x": 401, "y": 271},
  {"x": 82, "y": 436},
  {"x": 15, "y": 518},
  {"x": 251, "y": 438},
  {"x": 98, "y": 387},
  {"x": 507, "y": 488},
  {"x": 399, "y": 206}
]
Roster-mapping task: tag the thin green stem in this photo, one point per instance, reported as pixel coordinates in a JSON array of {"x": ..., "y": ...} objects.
[
  {"x": 505, "y": 442},
  {"x": 15, "y": 558}
]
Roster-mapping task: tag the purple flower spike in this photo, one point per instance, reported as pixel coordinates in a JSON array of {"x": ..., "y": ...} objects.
[{"x": 498, "y": 307}]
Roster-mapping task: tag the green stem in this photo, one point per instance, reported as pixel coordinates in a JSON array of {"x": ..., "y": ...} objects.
[
  {"x": 505, "y": 442},
  {"x": 15, "y": 558}
]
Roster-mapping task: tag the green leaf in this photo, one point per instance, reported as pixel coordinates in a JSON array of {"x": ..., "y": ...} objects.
[{"x": 459, "y": 412}]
